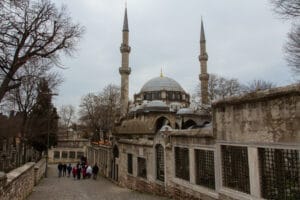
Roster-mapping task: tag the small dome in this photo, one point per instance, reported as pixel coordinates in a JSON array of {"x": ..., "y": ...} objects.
[{"x": 161, "y": 83}]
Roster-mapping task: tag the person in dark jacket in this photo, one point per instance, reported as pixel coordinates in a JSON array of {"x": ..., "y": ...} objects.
[
  {"x": 60, "y": 168},
  {"x": 95, "y": 171},
  {"x": 69, "y": 169},
  {"x": 64, "y": 169},
  {"x": 78, "y": 171}
]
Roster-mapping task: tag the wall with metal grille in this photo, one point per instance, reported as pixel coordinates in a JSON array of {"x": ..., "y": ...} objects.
[
  {"x": 160, "y": 165},
  {"x": 182, "y": 164},
  {"x": 205, "y": 168},
  {"x": 279, "y": 173},
  {"x": 235, "y": 168},
  {"x": 142, "y": 167},
  {"x": 129, "y": 163}
]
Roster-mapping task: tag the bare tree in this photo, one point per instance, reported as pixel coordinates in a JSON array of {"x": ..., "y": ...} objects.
[
  {"x": 32, "y": 30},
  {"x": 89, "y": 112},
  {"x": 290, "y": 10},
  {"x": 256, "y": 85},
  {"x": 66, "y": 114},
  {"x": 99, "y": 112},
  {"x": 218, "y": 87},
  {"x": 287, "y": 8}
]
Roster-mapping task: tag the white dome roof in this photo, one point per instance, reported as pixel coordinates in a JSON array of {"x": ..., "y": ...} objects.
[{"x": 161, "y": 83}]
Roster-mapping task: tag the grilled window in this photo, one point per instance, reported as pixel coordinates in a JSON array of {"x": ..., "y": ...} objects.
[
  {"x": 56, "y": 154},
  {"x": 160, "y": 165},
  {"x": 142, "y": 170},
  {"x": 235, "y": 168},
  {"x": 129, "y": 163},
  {"x": 205, "y": 168},
  {"x": 279, "y": 173},
  {"x": 64, "y": 154},
  {"x": 72, "y": 154},
  {"x": 79, "y": 154},
  {"x": 182, "y": 163}
]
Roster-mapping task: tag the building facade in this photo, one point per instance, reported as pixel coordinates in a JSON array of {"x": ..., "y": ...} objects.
[{"x": 247, "y": 147}]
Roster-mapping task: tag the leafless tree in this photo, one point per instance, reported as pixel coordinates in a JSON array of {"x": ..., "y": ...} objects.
[
  {"x": 256, "y": 85},
  {"x": 290, "y": 10},
  {"x": 99, "y": 112},
  {"x": 31, "y": 31},
  {"x": 23, "y": 98},
  {"x": 218, "y": 87},
  {"x": 66, "y": 114},
  {"x": 287, "y": 8}
]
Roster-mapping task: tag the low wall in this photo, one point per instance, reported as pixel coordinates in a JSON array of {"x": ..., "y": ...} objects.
[
  {"x": 19, "y": 183},
  {"x": 39, "y": 170}
]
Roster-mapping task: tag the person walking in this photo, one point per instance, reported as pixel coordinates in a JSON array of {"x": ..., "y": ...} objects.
[
  {"x": 95, "y": 171},
  {"x": 60, "y": 168},
  {"x": 89, "y": 171},
  {"x": 78, "y": 171},
  {"x": 74, "y": 172},
  {"x": 64, "y": 169},
  {"x": 69, "y": 169}
]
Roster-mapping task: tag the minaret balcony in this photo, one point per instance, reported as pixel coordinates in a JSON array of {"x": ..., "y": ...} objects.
[
  {"x": 203, "y": 57},
  {"x": 125, "y": 70},
  {"x": 125, "y": 48},
  {"x": 203, "y": 77}
]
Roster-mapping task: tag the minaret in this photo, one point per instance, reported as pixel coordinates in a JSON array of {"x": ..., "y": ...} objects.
[
  {"x": 125, "y": 69},
  {"x": 203, "y": 57}
]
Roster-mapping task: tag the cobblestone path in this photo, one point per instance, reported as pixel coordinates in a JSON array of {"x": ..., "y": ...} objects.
[{"x": 66, "y": 188}]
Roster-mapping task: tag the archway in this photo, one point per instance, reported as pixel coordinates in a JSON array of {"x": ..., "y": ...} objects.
[
  {"x": 188, "y": 124},
  {"x": 160, "y": 122}
]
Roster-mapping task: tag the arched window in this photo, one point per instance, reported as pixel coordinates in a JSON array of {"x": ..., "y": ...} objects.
[
  {"x": 160, "y": 164},
  {"x": 188, "y": 124},
  {"x": 160, "y": 122}
]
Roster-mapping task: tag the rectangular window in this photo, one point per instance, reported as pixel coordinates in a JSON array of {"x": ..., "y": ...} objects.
[
  {"x": 79, "y": 154},
  {"x": 279, "y": 173},
  {"x": 72, "y": 154},
  {"x": 235, "y": 168},
  {"x": 129, "y": 163},
  {"x": 142, "y": 168},
  {"x": 205, "y": 168},
  {"x": 64, "y": 154},
  {"x": 182, "y": 166},
  {"x": 56, "y": 154}
]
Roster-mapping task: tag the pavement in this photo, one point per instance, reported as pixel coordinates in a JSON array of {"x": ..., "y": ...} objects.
[{"x": 66, "y": 188}]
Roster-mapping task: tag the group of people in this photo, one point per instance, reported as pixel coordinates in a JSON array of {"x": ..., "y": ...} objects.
[
  {"x": 63, "y": 168},
  {"x": 80, "y": 170}
]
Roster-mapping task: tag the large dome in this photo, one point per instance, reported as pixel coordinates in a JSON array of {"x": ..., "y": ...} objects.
[{"x": 161, "y": 83}]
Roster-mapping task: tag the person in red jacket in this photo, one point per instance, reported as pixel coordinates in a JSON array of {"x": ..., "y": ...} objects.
[{"x": 74, "y": 172}]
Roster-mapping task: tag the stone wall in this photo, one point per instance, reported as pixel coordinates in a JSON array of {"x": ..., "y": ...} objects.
[
  {"x": 100, "y": 154},
  {"x": 250, "y": 134},
  {"x": 19, "y": 183},
  {"x": 270, "y": 116},
  {"x": 66, "y": 154}
]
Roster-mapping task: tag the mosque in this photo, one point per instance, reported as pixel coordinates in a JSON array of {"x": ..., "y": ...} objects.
[
  {"x": 246, "y": 147},
  {"x": 161, "y": 101}
]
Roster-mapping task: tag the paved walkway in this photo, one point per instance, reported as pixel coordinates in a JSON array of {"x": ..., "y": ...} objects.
[{"x": 66, "y": 188}]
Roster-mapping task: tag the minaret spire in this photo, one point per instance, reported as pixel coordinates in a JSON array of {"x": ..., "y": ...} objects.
[
  {"x": 125, "y": 69},
  {"x": 203, "y": 57},
  {"x": 125, "y": 23}
]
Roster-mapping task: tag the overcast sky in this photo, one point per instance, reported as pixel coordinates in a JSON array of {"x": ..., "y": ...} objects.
[{"x": 244, "y": 40}]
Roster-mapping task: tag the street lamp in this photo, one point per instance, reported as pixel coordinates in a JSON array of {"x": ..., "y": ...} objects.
[{"x": 48, "y": 121}]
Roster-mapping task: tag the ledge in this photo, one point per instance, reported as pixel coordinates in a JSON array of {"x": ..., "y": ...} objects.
[{"x": 259, "y": 95}]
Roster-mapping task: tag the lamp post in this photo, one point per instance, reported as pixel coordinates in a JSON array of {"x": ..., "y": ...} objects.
[{"x": 48, "y": 121}]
